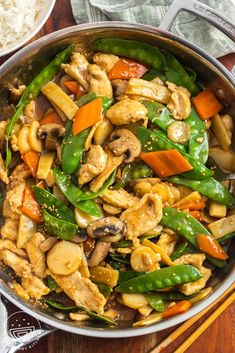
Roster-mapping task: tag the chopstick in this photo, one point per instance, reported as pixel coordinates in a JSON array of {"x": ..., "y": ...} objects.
[{"x": 181, "y": 329}]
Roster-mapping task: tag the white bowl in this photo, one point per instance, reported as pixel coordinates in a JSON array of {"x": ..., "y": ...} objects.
[{"x": 40, "y": 20}]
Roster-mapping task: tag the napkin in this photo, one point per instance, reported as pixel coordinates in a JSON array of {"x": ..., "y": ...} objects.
[{"x": 152, "y": 12}]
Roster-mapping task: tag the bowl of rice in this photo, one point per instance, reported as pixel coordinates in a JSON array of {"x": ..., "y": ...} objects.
[{"x": 20, "y": 21}]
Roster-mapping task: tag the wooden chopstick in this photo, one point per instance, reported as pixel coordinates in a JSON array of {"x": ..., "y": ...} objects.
[
  {"x": 181, "y": 329},
  {"x": 182, "y": 348}
]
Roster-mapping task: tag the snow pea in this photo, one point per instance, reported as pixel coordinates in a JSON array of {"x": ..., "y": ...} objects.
[
  {"x": 177, "y": 74},
  {"x": 61, "y": 306},
  {"x": 133, "y": 171},
  {"x": 188, "y": 227},
  {"x": 163, "y": 278},
  {"x": 58, "y": 227},
  {"x": 198, "y": 142},
  {"x": 51, "y": 283},
  {"x": 87, "y": 98},
  {"x": 158, "y": 114},
  {"x": 154, "y": 141},
  {"x": 33, "y": 89},
  {"x": 192, "y": 74},
  {"x": 174, "y": 296},
  {"x": 219, "y": 174},
  {"x": 155, "y": 301},
  {"x": 226, "y": 237},
  {"x": 104, "y": 289},
  {"x": 53, "y": 205},
  {"x": 179, "y": 251},
  {"x": 72, "y": 150},
  {"x": 88, "y": 195},
  {"x": 73, "y": 194},
  {"x": 126, "y": 275},
  {"x": 209, "y": 187},
  {"x": 140, "y": 51},
  {"x": 100, "y": 318},
  {"x": 153, "y": 73}
]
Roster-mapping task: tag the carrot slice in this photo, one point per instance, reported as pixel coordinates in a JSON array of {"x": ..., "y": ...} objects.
[
  {"x": 126, "y": 69},
  {"x": 51, "y": 118},
  {"x": 178, "y": 308},
  {"x": 75, "y": 88},
  {"x": 30, "y": 207},
  {"x": 166, "y": 163},
  {"x": 206, "y": 104},
  {"x": 87, "y": 116},
  {"x": 31, "y": 158},
  {"x": 211, "y": 246},
  {"x": 193, "y": 206}
]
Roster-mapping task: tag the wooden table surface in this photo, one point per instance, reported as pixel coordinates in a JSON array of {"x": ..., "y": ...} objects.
[{"x": 218, "y": 338}]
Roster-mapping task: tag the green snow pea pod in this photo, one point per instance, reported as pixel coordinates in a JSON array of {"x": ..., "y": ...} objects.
[
  {"x": 175, "y": 145},
  {"x": 158, "y": 114},
  {"x": 174, "y": 296},
  {"x": 88, "y": 195},
  {"x": 178, "y": 75},
  {"x": 219, "y": 174},
  {"x": 58, "y": 227},
  {"x": 179, "y": 251},
  {"x": 54, "y": 206},
  {"x": 163, "y": 278},
  {"x": 51, "y": 283},
  {"x": 188, "y": 227},
  {"x": 209, "y": 187},
  {"x": 192, "y": 74},
  {"x": 153, "y": 73},
  {"x": 226, "y": 237},
  {"x": 100, "y": 318},
  {"x": 140, "y": 51},
  {"x": 87, "y": 98},
  {"x": 198, "y": 142},
  {"x": 104, "y": 289},
  {"x": 126, "y": 275},
  {"x": 72, "y": 150},
  {"x": 61, "y": 306},
  {"x": 73, "y": 193},
  {"x": 155, "y": 301},
  {"x": 133, "y": 171},
  {"x": 155, "y": 141}
]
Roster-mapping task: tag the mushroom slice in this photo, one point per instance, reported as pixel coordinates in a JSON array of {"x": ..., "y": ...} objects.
[
  {"x": 126, "y": 111},
  {"x": 142, "y": 216},
  {"x": 103, "y": 227},
  {"x": 51, "y": 133},
  {"x": 119, "y": 87},
  {"x": 77, "y": 69},
  {"x": 99, "y": 254},
  {"x": 179, "y": 103},
  {"x": 125, "y": 142},
  {"x": 105, "y": 61},
  {"x": 113, "y": 163},
  {"x": 96, "y": 163},
  {"x": 151, "y": 90},
  {"x": 99, "y": 81},
  {"x": 119, "y": 198}
]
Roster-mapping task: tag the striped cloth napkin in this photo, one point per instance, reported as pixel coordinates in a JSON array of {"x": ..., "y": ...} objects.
[{"x": 151, "y": 12}]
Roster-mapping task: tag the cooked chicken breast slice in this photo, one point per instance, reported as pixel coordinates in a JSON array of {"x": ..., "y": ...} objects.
[
  {"x": 126, "y": 111},
  {"x": 167, "y": 242},
  {"x": 34, "y": 286},
  {"x": 36, "y": 256},
  {"x": 105, "y": 61},
  {"x": 194, "y": 287},
  {"x": 8, "y": 244},
  {"x": 15, "y": 197},
  {"x": 119, "y": 198},
  {"x": 78, "y": 69},
  {"x": 3, "y": 172},
  {"x": 99, "y": 81},
  {"x": 179, "y": 103},
  {"x": 9, "y": 230},
  {"x": 191, "y": 259},
  {"x": 17, "y": 263}
]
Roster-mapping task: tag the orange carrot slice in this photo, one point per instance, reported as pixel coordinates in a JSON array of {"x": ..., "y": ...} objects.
[
  {"x": 51, "y": 118},
  {"x": 211, "y": 246},
  {"x": 31, "y": 158},
  {"x": 30, "y": 207},
  {"x": 178, "y": 308},
  {"x": 126, "y": 69},
  {"x": 206, "y": 104}
]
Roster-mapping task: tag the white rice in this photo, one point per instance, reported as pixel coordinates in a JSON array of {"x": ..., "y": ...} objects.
[{"x": 17, "y": 19}]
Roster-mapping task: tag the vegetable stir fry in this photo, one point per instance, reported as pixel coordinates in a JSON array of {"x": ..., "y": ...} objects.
[{"x": 111, "y": 211}]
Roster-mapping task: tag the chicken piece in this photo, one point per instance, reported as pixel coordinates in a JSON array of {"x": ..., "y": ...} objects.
[
  {"x": 142, "y": 216},
  {"x": 3, "y": 125},
  {"x": 3, "y": 172},
  {"x": 105, "y": 61},
  {"x": 19, "y": 174},
  {"x": 96, "y": 163},
  {"x": 15, "y": 197},
  {"x": 34, "y": 286},
  {"x": 194, "y": 287},
  {"x": 119, "y": 87},
  {"x": 19, "y": 290},
  {"x": 112, "y": 164},
  {"x": 82, "y": 291},
  {"x": 36, "y": 256},
  {"x": 147, "y": 89},
  {"x": 78, "y": 69},
  {"x": 30, "y": 112},
  {"x": 7, "y": 211},
  {"x": 8, "y": 244},
  {"x": 119, "y": 198},
  {"x": 79, "y": 316},
  {"x": 99, "y": 82},
  {"x": 179, "y": 104},
  {"x": 126, "y": 111},
  {"x": 17, "y": 92},
  {"x": 167, "y": 242},
  {"x": 9, "y": 230},
  {"x": 191, "y": 259},
  {"x": 17, "y": 263}
]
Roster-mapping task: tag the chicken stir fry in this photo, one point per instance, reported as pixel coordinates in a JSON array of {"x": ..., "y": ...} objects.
[{"x": 108, "y": 202}]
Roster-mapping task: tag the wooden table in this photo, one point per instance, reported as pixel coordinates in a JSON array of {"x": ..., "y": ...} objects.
[{"x": 218, "y": 338}]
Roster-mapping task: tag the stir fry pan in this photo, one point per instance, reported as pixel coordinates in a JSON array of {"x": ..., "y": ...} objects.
[{"x": 29, "y": 61}]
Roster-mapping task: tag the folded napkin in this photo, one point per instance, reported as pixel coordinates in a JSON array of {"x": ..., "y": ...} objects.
[{"x": 151, "y": 12}]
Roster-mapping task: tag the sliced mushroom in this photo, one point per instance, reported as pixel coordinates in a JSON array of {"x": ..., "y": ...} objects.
[
  {"x": 179, "y": 132},
  {"x": 99, "y": 254},
  {"x": 119, "y": 87},
  {"x": 124, "y": 141},
  {"x": 108, "y": 226},
  {"x": 51, "y": 133}
]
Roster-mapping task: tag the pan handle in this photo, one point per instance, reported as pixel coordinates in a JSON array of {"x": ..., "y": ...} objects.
[
  {"x": 197, "y": 8},
  {"x": 13, "y": 338}
]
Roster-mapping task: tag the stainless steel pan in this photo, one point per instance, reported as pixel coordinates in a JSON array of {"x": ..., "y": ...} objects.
[{"x": 28, "y": 61}]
